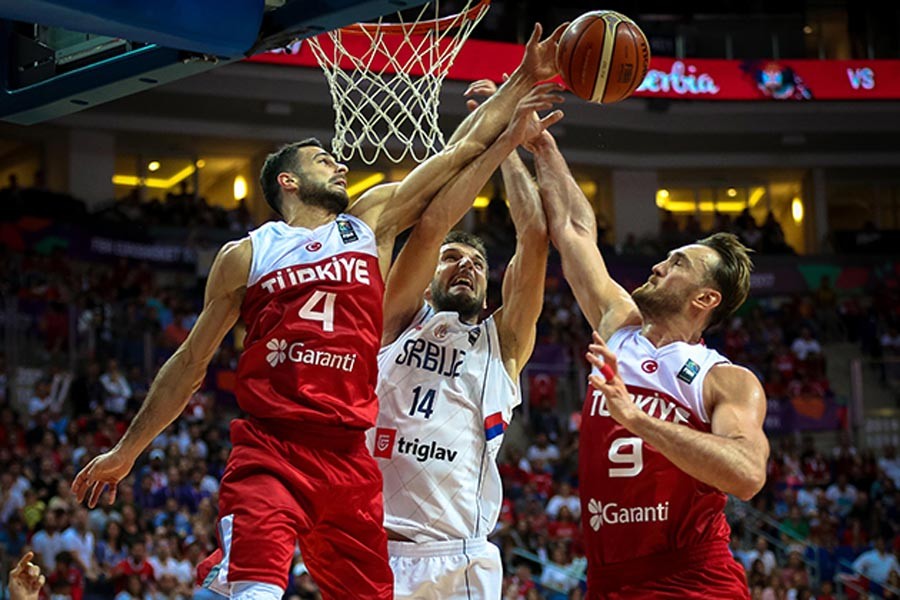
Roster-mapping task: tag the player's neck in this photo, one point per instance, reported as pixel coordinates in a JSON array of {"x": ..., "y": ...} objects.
[
  {"x": 673, "y": 329},
  {"x": 308, "y": 216}
]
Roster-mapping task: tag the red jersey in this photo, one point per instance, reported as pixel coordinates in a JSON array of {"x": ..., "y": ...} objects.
[
  {"x": 636, "y": 504},
  {"x": 314, "y": 322}
]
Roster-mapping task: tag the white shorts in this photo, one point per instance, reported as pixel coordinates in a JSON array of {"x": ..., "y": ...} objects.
[{"x": 454, "y": 570}]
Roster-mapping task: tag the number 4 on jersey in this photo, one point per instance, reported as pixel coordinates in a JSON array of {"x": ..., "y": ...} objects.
[
  {"x": 325, "y": 314},
  {"x": 423, "y": 404}
]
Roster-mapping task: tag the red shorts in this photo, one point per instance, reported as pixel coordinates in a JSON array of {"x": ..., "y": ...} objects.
[
  {"x": 292, "y": 483},
  {"x": 701, "y": 573}
]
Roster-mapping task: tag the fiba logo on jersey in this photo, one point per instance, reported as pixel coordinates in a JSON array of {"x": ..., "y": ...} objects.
[{"x": 613, "y": 514}]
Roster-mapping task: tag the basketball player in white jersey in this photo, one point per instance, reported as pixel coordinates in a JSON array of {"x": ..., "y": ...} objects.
[
  {"x": 310, "y": 289},
  {"x": 670, "y": 426},
  {"x": 449, "y": 381}
]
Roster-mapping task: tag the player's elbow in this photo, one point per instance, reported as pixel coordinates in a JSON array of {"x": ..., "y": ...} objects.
[{"x": 750, "y": 484}]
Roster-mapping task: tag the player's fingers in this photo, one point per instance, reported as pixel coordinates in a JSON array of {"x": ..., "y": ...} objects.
[
  {"x": 597, "y": 338},
  {"x": 23, "y": 562},
  {"x": 40, "y": 583},
  {"x": 97, "y": 490},
  {"x": 605, "y": 355},
  {"x": 33, "y": 571},
  {"x": 82, "y": 482},
  {"x": 557, "y": 33},
  {"x": 597, "y": 382},
  {"x": 505, "y": 77},
  {"x": 552, "y": 119},
  {"x": 535, "y": 34},
  {"x": 111, "y": 496},
  {"x": 472, "y": 87},
  {"x": 471, "y": 105},
  {"x": 550, "y": 86},
  {"x": 607, "y": 371}
]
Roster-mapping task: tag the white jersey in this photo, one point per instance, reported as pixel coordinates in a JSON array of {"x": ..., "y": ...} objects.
[{"x": 445, "y": 401}]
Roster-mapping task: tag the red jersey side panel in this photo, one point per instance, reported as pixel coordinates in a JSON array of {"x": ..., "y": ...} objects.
[{"x": 314, "y": 319}]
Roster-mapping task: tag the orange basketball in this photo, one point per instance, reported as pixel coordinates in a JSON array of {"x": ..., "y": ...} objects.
[{"x": 603, "y": 56}]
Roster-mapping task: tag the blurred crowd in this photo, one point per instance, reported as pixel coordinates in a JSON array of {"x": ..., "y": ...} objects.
[{"x": 90, "y": 335}]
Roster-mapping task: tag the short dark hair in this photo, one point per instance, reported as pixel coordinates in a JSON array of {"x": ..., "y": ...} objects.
[
  {"x": 283, "y": 159},
  {"x": 469, "y": 239},
  {"x": 731, "y": 275}
]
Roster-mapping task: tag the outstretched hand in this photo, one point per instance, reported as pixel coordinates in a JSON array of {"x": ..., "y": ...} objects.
[
  {"x": 539, "y": 62},
  {"x": 482, "y": 87},
  {"x": 525, "y": 124},
  {"x": 106, "y": 470},
  {"x": 25, "y": 580},
  {"x": 618, "y": 400}
]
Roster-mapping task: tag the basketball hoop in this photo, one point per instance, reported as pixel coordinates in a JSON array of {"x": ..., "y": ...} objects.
[{"x": 386, "y": 78}]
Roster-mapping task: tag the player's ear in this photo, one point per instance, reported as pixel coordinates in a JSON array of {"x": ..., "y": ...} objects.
[
  {"x": 707, "y": 299},
  {"x": 288, "y": 181}
]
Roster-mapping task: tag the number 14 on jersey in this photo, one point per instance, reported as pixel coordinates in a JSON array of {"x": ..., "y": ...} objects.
[{"x": 422, "y": 403}]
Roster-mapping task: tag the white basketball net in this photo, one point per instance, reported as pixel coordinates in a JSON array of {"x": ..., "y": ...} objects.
[{"x": 386, "y": 79}]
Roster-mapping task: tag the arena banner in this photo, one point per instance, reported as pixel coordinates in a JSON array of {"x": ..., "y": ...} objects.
[{"x": 683, "y": 79}]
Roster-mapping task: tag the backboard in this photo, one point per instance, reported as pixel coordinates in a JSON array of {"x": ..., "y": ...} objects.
[{"x": 67, "y": 55}]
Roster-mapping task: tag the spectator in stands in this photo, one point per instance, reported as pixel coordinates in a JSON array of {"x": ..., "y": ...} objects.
[
  {"x": 165, "y": 565},
  {"x": 65, "y": 580},
  {"x": 134, "y": 566},
  {"x": 79, "y": 542},
  {"x": 795, "y": 528},
  {"x": 890, "y": 464},
  {"x": 47, "y": 542},
  {"x": 806, "y": 346},
  {"x": 557, "y": 576},
  {"x": 794, "y": 574},
  {"x": 116, "y": 388},
  {"x": 520, "y": 583},
  {"x": 564, "y": 497},
  {"x": 133, "y": 588},
  {"x": 877, "y": 564},
  {"x": 761, "y": 553},
  {"x": 542, "y": 449},
  {"x": 841, "y": 495}
]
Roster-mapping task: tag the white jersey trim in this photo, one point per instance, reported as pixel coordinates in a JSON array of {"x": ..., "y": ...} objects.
[{"x": 276, "y": 245}]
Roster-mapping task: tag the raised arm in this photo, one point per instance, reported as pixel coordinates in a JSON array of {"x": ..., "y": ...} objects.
[
  {"x": 392, "y": 208},
  {"x": 414, "y": 267},
  {"x": 523, "y": 282},
  {"x": 573, "y": 230},
  {"x": 179, "y": 377},
  {"x": 732, "y": 457}
]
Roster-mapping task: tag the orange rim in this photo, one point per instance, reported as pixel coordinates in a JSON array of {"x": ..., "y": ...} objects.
[{"x": 420, "y": 28}]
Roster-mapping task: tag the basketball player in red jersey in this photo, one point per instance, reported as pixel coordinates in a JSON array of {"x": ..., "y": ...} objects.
[
  {"x": 671, "y": 427},
  {"x": 310, "y": 290}
]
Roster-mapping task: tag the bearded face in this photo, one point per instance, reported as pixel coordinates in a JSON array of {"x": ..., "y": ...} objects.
[
  {"x": 330, "y": 196},
  {"x": 460, "y": 281},
  {"x": 656, "y": 301},
  {"x": 468, "y": 305}
]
